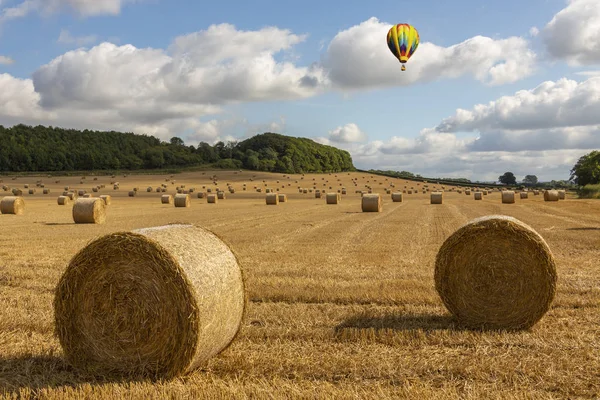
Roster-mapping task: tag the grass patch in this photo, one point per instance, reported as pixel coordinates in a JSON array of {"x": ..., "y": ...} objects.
[{"x": 589, "y": 192}]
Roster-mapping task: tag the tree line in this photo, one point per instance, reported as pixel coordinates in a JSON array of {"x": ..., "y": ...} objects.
[{"x": 26, "y": 148}]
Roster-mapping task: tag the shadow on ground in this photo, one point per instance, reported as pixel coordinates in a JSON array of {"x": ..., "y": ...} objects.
[
  {"x": 591, "y": 228},
  {"x": 24, "y": 376}
]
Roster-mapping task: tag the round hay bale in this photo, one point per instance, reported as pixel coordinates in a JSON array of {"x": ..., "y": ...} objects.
[
  {"x": 332, "y": 198},
  {"x": 397, "y": 197},
  {"x": 89, "y": 211},
  {"x": 478, "y": 195},
  {"x": 166, "y": 199},
  {"x": 551, "y": 195},
  {"x": 63, "y": 200},
  {"x": 182, "y": 200},
  {"x": 508, "y": 197},
  {"x": 132, "y": 193},
  {"x": 513, "y": 291},
  {"x": 523, "y": 195},
  {"x": 282, "y": 198},
  {"x": 562, "y": 194},
  {"x": 467, "y": 192},
  {"x": 536, "y": 192},
  {"x": 87, "y": 195},
  {"x": 156, "y": 302},
  {"x": 17, "y": 192},
  {"x": 436, "y": 198},
  {"x": 149, "y": 189},
  {"x": 317, "y": 195},
  {"x": 107, "y": 199},
  {"x": 272, "y": 199},
  {"x": 221, "y": 195},
  {"x": 12, "y": 205},
  {"x": 31, "y": 191},
  {"x": 95, "y": 189},
  {"x": 201, "y": 195},
  {"x": 212, "y": 198},
  {"x": 371, "y": 203},
  {"x": 80, "y": 192}
]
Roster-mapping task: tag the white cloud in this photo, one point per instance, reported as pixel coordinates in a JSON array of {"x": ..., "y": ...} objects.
[
  {"x": 574, "y": 33},
  {"x": 564, "y": 103},
  {"x": 65, "y": 37},
  {"x": 6, "y": 60},
  {"x": 588, "y": 73},
  {"x": 534, "y": 31},
  {"x": 83, "y": 8},
  {"x": 349, "y": 133},
  {"x": 357, "y": 58}
]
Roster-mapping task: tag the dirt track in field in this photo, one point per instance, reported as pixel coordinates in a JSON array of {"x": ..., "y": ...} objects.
[{"x": 342, "y": 304}]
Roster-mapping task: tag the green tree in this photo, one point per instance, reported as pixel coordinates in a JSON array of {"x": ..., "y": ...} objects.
[
  {"x": 508, "y": 178},
  {"x": 587, "y": 169},
  {"x": 530, "y": 180}
]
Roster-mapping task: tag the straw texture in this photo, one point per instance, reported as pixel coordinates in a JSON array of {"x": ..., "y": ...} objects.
[
  {"x": 89, "y": 211},
  {"x": 12, "y": 205},
  {"x": 155, "y": 302},
  {"x": 371, "y": 203},
  {"x": 496, "y": 272}
]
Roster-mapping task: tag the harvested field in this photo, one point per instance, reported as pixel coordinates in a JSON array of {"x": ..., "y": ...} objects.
[{"x": 342, "y": 304}]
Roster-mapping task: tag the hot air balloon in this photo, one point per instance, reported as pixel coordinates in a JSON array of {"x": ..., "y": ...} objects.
[{"x": 403, "y": 40}]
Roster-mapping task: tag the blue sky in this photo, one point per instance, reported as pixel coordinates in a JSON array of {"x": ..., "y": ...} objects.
[{"x": 152, "y": 66}]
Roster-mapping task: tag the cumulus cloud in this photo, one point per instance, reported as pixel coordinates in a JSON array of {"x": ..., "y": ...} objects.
[
  {"x": 66, "y": 37},
  {"x": 355, "y": 59},
  {"x": 349, "y": 133},
  {"x": 574, "y": 33},
  {"x": 534, "y": 31},
  {"x": 6, "y": 60},
  {"x": 83, "y": 8},
  {"x": 563, "y": 103},
  {"x": 167, "y": 92}
]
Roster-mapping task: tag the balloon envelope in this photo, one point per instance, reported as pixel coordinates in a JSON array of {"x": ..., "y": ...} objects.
[{"x": 403, "y": 40}]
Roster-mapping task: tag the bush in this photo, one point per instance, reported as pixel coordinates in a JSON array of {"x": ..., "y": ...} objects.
[{"x": 589, "y": 192}]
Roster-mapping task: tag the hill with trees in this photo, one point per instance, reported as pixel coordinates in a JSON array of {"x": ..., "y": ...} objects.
[{"x": 31, "y": 149}]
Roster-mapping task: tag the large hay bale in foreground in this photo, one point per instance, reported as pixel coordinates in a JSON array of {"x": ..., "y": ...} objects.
[
  {"x": 89, "y": 211},
  {"x": 332, "y": 198},
  {"x": 551, "y": 195},
  {"x": 12, "y": 205},
  {"x": 508, "y": 196},
  {"x": 371, "y": 203},
  {"x": 182, "y": 200},
  {"x": 272, "y": 199},
  {"x": 63, "y": 200},
  {"x": 397, "y": 197},
  {"x": 436, "y": 198},
  {"x": 156, "y": 302},
  {"x": 513, "y": 291}
]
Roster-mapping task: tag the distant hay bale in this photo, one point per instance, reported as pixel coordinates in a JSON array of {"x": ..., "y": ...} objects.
[
  {"x": 551, "y": 195},
  {"x": 332, "y": 198},
  {"x": 272, "y": 199},
  {"x": 467, "y": 192},
  {"x": 371, "y": 203},
  {"x": 166, "y": 199},
  {"x": 95, "y": 189},
  {"x": 508, "y": 197},
  {"x": 156, "y": 302},
  {"x": 562, "y": 194},
  {"x": 12, "y": 205},
  {"x": 201, "y": 195},
  {"x": 523, "y": 195},
  {"x": 409, "y": 192},
  {"x": 436, "y": 198},
  {"x": 149, "y": 189},
  {"x": 478, "y": 195},
  {"x": 107, "y": 199},
  {"x": 211, "y": 198},
  {"x": 397, "y": 197},
  {"x": 536, "y": 192},
  {"x": 221, "y": 195},
  {"x": 17, "y": 192},
  {"x": 115, "y": 187},
  {"x": 32, "y": 191},
  {"x": 512, "y": 292},
  {"x": 63, "y": 200},
  {"x": 87, "y": 195},
  {"x": 89, "y": 211},
  {"x": 317, "y": 195},
  {"x": 182, "y": 200},
  {"x": 132, "y": 193},
  {"x": 26, "y": 186},
  {"x": 282, "y": 198}
]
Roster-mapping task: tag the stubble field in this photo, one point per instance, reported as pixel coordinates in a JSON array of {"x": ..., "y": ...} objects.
[{"x": 342, "y": 304}]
